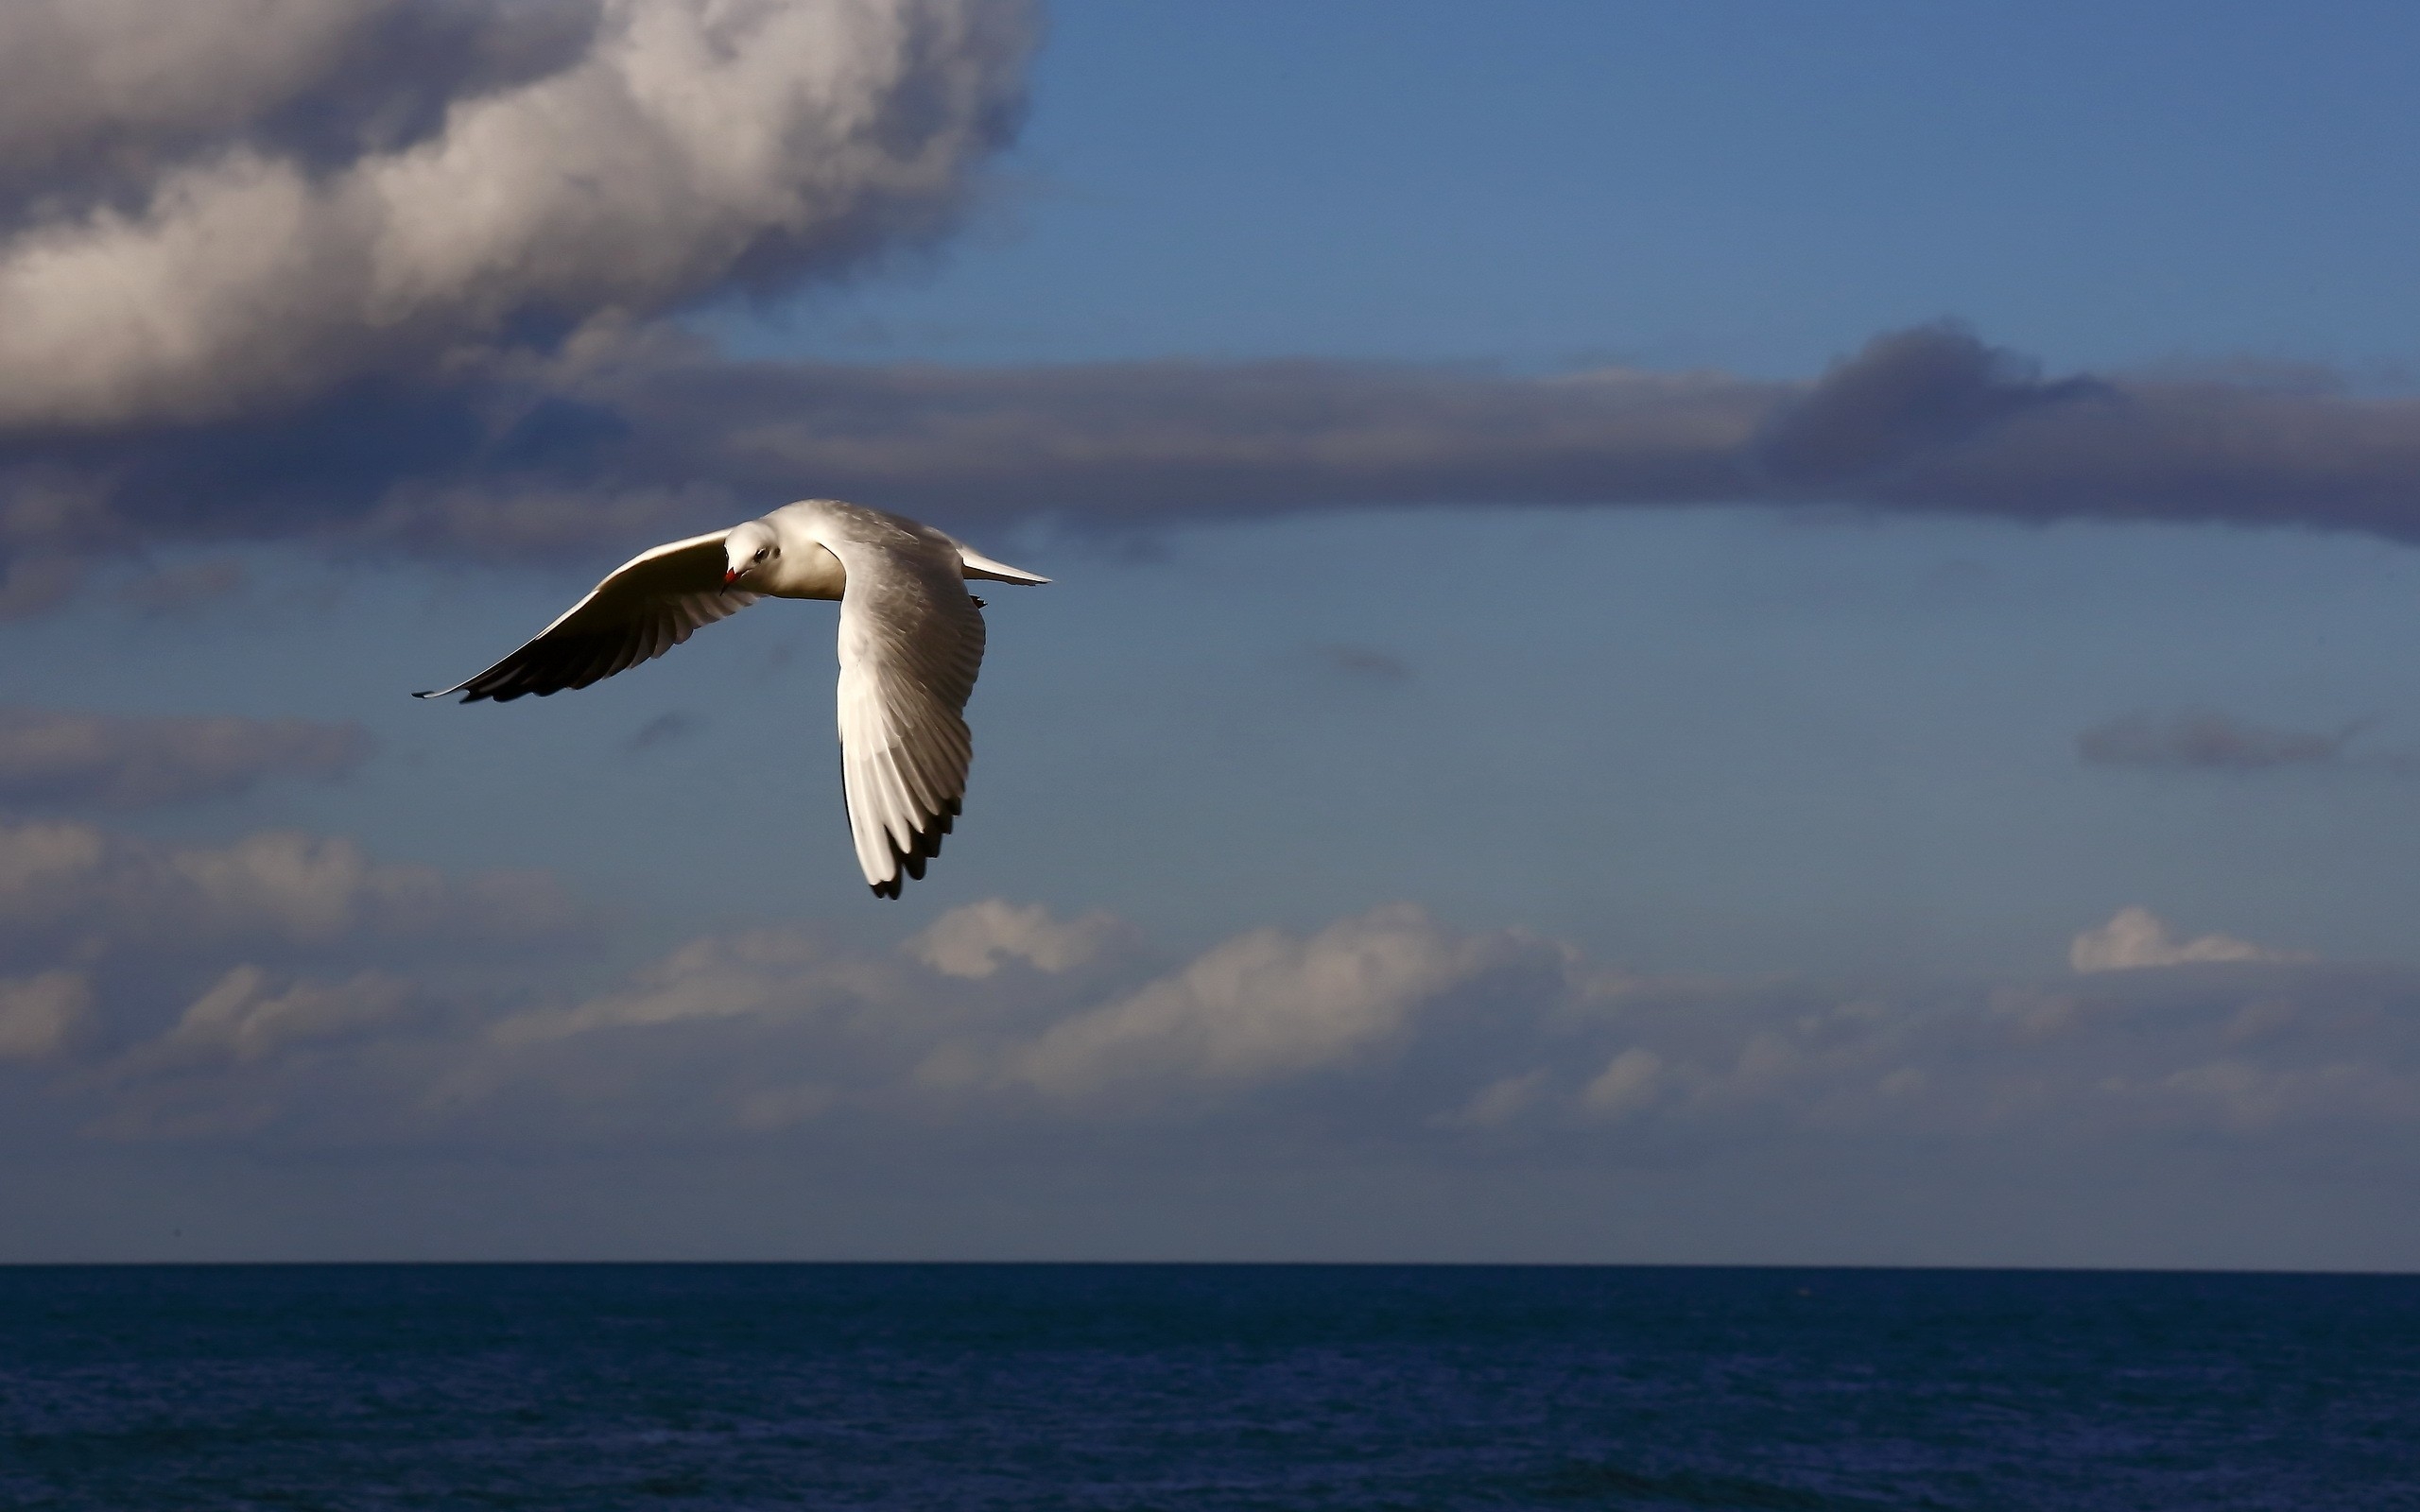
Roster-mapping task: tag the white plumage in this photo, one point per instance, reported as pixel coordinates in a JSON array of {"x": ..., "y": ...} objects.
[{"x": 911, "y": 643}]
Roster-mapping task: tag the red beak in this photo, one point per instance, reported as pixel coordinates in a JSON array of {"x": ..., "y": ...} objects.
[{"x": 730, "y": 575}]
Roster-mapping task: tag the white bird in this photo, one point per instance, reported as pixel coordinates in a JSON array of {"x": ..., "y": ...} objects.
[{"x": 911, "y": 641}]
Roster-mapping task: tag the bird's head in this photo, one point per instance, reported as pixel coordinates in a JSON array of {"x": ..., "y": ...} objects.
[{"x": 749, "y": 551}]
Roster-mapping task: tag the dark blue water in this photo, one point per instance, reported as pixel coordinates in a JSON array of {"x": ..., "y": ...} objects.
[{"x": 948, "y": 1386}]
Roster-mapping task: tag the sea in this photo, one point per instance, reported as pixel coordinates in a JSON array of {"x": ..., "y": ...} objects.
[{"x": 949, "y": 1386}]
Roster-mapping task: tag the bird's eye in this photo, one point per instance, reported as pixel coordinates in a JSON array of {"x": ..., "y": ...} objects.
[{"x": 760, "y": 554}]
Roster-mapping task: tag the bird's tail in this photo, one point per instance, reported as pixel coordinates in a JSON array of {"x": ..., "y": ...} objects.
[{"x": 978, "y": 565}]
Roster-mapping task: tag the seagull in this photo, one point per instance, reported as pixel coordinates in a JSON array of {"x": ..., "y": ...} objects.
[{"x": 911, "y": 641}]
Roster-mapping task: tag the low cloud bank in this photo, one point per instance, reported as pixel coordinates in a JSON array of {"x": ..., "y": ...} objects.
[{"x": 1007, "y": 1026}]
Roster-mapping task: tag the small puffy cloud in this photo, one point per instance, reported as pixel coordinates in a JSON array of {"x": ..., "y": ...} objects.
[
  {"x": 2206, "y": 740},
  {"x": 974, "y": 940},
  {"x": 2136, "y": 938},
  {"x": 39, "y": 1015},
  {"x": 1263, "y": 1004},
  {"x": 53, "y": 757}
]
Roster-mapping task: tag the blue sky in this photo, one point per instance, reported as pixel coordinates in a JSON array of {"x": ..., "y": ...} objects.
[
  {"x": 1758, "y": 187},
  {"x": 1746, "y": 838}
]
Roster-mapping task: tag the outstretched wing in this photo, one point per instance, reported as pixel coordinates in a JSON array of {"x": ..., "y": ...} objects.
[
  {"x": 911, "y": 642},
  {"x": 652, "y": 603}
]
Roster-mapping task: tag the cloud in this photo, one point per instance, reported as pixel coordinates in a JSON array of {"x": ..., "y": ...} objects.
[
  {"x": 1263, "y": 1004},
  {"x": 1138, "y": 445},
  {"x": 1384, "y": 1031},
  {"x": 71, "y": 886},
  {"x": 400, "y": 274},
  {"x": 975, "y": 941},
  {"x": 1369, "y": 662},
  {"x": 2200, "y": 739},
  {"x": 245, "y": 1016},
  {"x": 468, "y": 349},
  {"x": 53, "y": 757},
  {"x": 97, "y": 97},
  {"x": 1908, "y": 394},
  {"x": 714, "y": 978},
  {"x": 2136, "y": 938},
  {"x": 1499, "y": 1101},
  {"x": 664, "y": 730},
  {"x": 39, "y": 1015},
  {"x": 1629, "y": 1083},
  {"x": 265, "y": 265},
  {"x": 559, "y": 160}
]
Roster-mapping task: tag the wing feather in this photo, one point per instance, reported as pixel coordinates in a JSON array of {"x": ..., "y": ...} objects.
[
  {"x": 911, "y": 644},
  {"x": 648, "y": 605}
]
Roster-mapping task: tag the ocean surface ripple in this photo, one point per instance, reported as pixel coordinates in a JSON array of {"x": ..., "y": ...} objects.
[{"x": 1203, "y": 1387}]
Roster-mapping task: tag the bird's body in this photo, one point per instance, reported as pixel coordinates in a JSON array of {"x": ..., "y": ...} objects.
[{"x": 911, "y": 642}]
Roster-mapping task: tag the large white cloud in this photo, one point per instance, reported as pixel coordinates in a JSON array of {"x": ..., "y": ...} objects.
[{"x": 673, "y": 147}]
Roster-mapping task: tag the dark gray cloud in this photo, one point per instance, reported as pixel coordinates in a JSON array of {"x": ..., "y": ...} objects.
[
  {"x": 1908, "y": 395},
  {"x": 2209, "y": 740},
  {"x": 632, "y": 435},
  {"x": 1369, "y": 662},
  {"x": 58, "y": 758},
  {"x": 662, "y": 730},
  {"x": 633, "y": 432},
  {"x": 1930, "y": 419}
]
